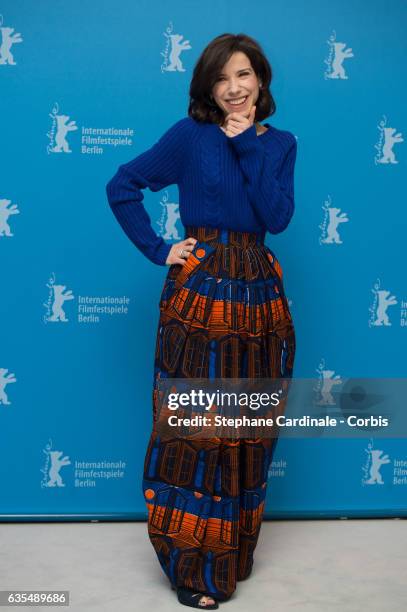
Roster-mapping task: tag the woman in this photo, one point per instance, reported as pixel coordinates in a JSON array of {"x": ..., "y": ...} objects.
[{"x": 223, "y": 310}]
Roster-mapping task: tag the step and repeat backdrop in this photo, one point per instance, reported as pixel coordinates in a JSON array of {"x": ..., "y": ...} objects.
[{"x": 88, "y": 86}]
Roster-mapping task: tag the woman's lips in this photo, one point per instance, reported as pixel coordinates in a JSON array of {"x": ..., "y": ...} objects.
[{"x": 237, "y": 105}]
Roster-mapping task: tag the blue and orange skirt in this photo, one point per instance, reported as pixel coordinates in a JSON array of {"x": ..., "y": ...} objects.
[{"x": 223, "y": 314}]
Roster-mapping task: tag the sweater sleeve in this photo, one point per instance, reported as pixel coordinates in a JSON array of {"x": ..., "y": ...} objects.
[
  {"x": 156, "y": 168},
  {"x": 270, "y": 185}
]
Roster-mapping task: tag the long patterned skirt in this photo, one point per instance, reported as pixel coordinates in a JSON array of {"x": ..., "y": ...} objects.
[{"x": 224, "y": 314}]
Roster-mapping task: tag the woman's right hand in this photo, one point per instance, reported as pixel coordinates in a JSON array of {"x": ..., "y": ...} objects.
[{"x": 174, "y": 255}]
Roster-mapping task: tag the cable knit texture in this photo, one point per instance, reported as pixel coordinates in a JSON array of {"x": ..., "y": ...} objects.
[{"x": 242, "y": 183}]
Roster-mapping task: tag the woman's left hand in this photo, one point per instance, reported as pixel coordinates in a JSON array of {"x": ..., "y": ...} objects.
[{"x": 236, "y": 123}]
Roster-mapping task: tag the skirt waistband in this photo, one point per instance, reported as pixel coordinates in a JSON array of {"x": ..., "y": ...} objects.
[{"x": 215, "y": 235}]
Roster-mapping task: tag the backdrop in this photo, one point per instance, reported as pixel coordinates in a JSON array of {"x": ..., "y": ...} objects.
[{"x": 87, "y": 86}]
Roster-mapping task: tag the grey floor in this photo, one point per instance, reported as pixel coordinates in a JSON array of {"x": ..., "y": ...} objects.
[{"x": 343, "y": 565}]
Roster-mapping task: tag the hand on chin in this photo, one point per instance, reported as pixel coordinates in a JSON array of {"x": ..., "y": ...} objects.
[{"x": 236, "y": 123}]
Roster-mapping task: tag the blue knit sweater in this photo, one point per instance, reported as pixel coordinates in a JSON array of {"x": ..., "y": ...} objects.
[{"x": 242, "y": 183}]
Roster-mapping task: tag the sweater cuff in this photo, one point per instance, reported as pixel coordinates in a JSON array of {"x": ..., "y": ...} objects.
[
  {"x": 246, "y": 141},
  {"x": 161, "y": 254}
]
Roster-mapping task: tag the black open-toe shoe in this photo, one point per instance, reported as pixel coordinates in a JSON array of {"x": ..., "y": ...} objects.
[{"x": 192, "y": 598}]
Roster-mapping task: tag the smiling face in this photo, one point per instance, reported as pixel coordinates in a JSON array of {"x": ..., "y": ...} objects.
[{"x": 237, "y": 82}]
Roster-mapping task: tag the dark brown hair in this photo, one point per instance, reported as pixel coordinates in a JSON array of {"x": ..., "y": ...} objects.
[{"x": 208, "y": 67}]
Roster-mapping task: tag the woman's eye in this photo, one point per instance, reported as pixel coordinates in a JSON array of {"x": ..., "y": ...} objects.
[{"x": 242, "y": 74}]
